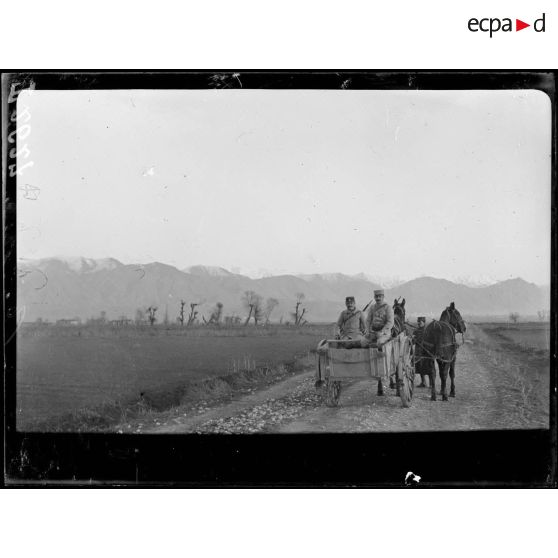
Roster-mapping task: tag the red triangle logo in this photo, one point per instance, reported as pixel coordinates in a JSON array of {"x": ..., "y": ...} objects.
[{"x": 519, "y": 25}]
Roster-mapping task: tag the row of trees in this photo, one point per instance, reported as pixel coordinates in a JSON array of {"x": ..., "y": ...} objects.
[
  {"x": 258, "y": 310},
  {"x": 261, "y": 312}
]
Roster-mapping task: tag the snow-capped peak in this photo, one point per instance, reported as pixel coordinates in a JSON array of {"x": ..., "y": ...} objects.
[
  {"x": 385, "y": 281},
  {"x": 77, "y": 264},
  {"x": 329, "y": 277},
  {"x": 475, "y": 280},
  {"x": 213, "y": 271}
]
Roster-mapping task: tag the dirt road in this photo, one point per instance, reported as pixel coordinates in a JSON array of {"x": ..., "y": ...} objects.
[{"x": 495, "y": 389}]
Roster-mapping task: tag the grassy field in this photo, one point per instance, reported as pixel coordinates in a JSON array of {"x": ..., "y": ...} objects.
[
  {"x": 63, "y": 370},
  {"x": 521, "y": 352},
  {"x": 531, "y": 335}
]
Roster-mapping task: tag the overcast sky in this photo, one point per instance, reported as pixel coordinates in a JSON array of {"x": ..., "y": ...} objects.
[{"x": 393, "y": 183}]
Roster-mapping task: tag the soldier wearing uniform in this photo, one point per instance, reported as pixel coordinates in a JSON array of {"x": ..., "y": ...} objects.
[
  {"x": 380, "y": 320},
  {"x": 418, "y": 333},
  {"x": 351, "y": 323}
]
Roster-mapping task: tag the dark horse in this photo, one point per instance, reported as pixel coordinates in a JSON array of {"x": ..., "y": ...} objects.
[
  {"x": 439, "y": 343},
  {"x": 398, "y": 317}
]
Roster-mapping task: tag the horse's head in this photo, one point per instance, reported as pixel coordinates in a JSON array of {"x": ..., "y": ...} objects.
[
  {"x": 399, "y": 309},
  {"x": 451, "y": 315}
]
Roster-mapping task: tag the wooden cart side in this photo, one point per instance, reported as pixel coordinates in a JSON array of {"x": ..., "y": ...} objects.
[{"x": 359, "y": 363}]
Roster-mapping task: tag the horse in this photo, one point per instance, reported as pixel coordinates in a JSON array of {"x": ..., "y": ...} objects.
[
  {"x": 398, "y": 317},
  {"x": 439, "y": 343}
]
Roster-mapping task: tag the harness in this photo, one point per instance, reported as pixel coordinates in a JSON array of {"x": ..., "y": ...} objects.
[{"x": 430, "y": 354}]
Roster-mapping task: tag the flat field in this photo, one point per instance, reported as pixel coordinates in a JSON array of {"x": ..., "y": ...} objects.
[
  {"x": 63, "y": 370},
  {"x": 531, "y": 335}
]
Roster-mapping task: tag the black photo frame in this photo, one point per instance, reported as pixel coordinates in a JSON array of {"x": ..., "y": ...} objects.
[{"x": 511, "y": 458}]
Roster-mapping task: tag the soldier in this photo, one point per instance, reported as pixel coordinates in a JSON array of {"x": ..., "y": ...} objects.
[
  {"x": 351, "y": 324},
  {"x": 380, "y": 320},
  {"x": 422, "y": 363}
]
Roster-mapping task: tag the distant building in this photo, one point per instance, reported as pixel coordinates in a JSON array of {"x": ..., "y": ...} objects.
[
  {"x": 121, "y": 322},
  {"x": 69, "y": 322}
]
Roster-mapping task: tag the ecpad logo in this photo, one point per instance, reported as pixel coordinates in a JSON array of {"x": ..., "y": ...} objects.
[{"x": 493, "y": 25}]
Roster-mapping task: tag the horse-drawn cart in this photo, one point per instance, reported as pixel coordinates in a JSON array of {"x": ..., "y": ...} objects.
[{"x": 338, "y": 360}]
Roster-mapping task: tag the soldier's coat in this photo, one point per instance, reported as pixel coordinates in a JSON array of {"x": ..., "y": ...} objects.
[
  {"x": 380, "y": 318},
  {"x": 351, "y": 324},
  {"x": 379, "y": 322}
]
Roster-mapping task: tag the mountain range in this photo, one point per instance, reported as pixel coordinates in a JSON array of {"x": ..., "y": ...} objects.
[{"x": 56, "y": 288}]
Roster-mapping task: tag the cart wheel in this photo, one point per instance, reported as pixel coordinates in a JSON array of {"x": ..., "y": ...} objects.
[
  {"x": 333, "y": 391},
  {"x": 406, "y": 375}
]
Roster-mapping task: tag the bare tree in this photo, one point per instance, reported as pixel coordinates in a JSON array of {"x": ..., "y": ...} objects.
[
  {"x": 270, "y": 305},
  {"x": 514, "y": 317},
  {"x": 193, "y": 313},
  {"x": 181, "y": 313},
  {"x": 297, "y": 315},
  {"x": 258, "y": 311},
  {"x": 151, "y": 311},
  {"x": 217, "y": 314},
  {"x": 253, "y": 303}
]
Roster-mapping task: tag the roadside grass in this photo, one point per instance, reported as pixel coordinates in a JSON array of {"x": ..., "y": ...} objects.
[
  {"x": 528, "y": 366},
  {"x": 533, "y": 339}
]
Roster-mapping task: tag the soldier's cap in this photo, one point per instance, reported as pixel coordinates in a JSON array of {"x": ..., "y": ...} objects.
[
  {"x": 379, "y": 292},
  {"x": 421, "y": 319},
  {"x": 349, "y": 299}
]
